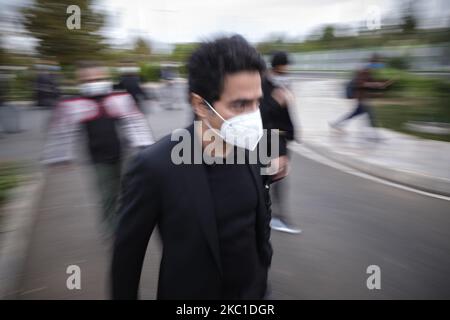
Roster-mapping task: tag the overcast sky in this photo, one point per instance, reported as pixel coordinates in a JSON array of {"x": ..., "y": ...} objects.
[
  {"x": 170, "y": 21},
  {"x": 183, "y": 20},
  {"x": 191, "y": 20}
]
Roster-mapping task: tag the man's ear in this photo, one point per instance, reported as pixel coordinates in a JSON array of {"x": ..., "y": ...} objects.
[{"x": 199, "y": 106}]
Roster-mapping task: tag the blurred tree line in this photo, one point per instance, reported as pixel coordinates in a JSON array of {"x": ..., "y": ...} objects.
[
  {"x": 45, "y": 20},
  {"x": 390, "y": 33},
  {"x": 327, "y": 40}
]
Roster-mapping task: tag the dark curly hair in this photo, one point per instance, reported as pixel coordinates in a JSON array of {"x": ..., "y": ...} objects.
[
  {"x": 279, "y": 58},
  {"x": 212, "y": 61}
]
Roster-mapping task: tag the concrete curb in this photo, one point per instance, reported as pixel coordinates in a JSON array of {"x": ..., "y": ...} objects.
[
  {"x": 19, "y": 217},
  {"x": 411, "y": 179}
]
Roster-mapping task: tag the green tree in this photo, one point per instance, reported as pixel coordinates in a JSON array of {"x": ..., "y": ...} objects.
[
  {"x": 328, "y": 34},
  {"x": 3, "y": 54},
  {"x": 182, "y": 51},
  {"x": 46, "y": 21},
  {"x": 409, "y": 21},
  {"x": 409, "y": 24},
  {"x": 142, "y": 49}
]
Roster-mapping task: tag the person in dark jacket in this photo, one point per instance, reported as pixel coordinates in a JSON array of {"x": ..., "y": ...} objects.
[
  {"x": 278, "y": 99},
  {"x": 4, "y": 88},
  {"x": 47, "y": 90},
  {"x": 129, "y": 81},
  {"x": 363, "y": 87},
  {"x": 213, "y": 217}
]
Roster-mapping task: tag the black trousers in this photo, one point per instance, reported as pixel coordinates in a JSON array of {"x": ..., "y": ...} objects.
[
  {"x": 361, "y": 108},
  {"x": 279, "y": 190}
]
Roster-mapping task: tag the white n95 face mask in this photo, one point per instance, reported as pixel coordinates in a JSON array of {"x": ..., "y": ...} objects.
[
  {"x": 244, "y": 130},
  {"x": 96, "y": 88}
]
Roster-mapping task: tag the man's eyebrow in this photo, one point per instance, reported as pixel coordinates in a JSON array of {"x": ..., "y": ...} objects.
[
  {"x": 246, "y": 100},
  {"x": 241, "y": 101}
]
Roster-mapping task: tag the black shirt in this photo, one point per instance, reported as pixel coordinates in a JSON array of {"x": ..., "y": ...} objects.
[
  {"x": 103, "y": 138},
  {"x": 235, "y": 201}
]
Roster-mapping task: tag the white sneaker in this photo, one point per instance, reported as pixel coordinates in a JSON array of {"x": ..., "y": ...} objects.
[
  {"x": 277, "y": 224},
  {"x": 336, "y": 126}
]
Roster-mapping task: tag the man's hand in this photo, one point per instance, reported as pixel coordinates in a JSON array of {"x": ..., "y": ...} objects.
[
  {"x": 280, "y": 167},
  {"x": 61, "y": 166},
  {"x": 283, "y": 96}
]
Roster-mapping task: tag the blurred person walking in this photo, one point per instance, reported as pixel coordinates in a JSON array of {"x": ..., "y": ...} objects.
[
  {"x": 278, "y": 98},
  {"x": 167, "y": 92},
  {"x": 46, "y": 85},
  {"x": 129, "y": 80},
  {"x": 3, "y": 90},
  {"x": 10, "y": 114},
  {"x": 213, "y": 218},
  {"x": 362, "y": 87},
  {"x": 106, "y": 118}
]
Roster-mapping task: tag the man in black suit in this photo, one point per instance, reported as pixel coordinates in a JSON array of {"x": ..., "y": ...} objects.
[{"x": 213, "y": 218}]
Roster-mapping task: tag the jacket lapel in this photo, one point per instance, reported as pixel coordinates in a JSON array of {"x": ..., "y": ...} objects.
[
  {"x": 261, "y": 210},
  {"x": 263, "y": 214},
  {"x": 198, "y": 187}
]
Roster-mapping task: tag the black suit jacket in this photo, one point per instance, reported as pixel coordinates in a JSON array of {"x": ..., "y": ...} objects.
[{"x": 177, "y": 199}]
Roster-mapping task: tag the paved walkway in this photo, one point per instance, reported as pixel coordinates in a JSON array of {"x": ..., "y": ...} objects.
[{"x": 67, "y": 232}]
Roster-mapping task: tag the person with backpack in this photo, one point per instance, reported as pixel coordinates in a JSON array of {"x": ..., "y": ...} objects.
[{"x": 361, "y": 88}]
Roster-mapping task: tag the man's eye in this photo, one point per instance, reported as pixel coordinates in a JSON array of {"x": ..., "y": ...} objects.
[{"x": 240, "y": 105}]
